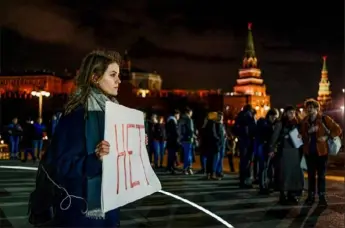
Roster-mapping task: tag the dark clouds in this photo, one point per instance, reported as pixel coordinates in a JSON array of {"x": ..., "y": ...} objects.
[
  {"x": 191, "y": 46},
  {"x": 44, "y": 22}
]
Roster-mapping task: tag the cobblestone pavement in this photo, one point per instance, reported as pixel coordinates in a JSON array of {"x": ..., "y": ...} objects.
[{"x": 242, "y": 208}]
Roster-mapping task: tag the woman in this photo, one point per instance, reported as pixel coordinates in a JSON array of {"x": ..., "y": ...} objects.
[
  {"x": 288, "y": 158},
  {"x": 39, "y": 131},
  {"x": 77, "y": 147},
  {"x": 316, "y": 129}
]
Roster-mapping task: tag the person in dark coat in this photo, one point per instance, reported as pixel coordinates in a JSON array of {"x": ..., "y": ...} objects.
[
  {"x": 173, "y": 143},
  {"x": 244, "y": 129},
  {"x": 220, "y": 128},
  {"x": 187, "y": 137},
  {"x": 265, "y": 127},
  {"x": 159, "y": 142},
  {"x": 288, "y": 159},
  {"x": 78, "y": 147},
  {"x": 212, "y": 145},
  {"x": 15, "y": 132}
]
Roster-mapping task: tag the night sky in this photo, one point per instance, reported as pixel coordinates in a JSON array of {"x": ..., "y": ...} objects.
[{"x": 192, "y": 44}]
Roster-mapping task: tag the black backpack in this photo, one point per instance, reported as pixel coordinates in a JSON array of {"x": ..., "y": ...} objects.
[{"x": 41, "y": 208}]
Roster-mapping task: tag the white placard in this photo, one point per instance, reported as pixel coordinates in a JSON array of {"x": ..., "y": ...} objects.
[
  {"x": 295, "y": 138},
  {"x": 127, "y": 173}
]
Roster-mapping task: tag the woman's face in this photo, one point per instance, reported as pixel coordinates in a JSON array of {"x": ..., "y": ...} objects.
[
  {"x": 110, "y": 81},
  {"x": 291, "y": 114}
]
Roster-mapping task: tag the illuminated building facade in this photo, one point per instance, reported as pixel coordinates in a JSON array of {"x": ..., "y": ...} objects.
[
  {"x": 250, "y": 87},
  {"x": 147, "y": 81},
  {"x": 324, "y": 93},
  {"x": 22, "y": 85}
]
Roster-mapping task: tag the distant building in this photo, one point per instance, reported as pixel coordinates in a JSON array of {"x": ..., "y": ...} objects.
[
  {"x": 250, "y": 88},
  {"x": 24, "y": 83},
  {"x": 324, "y": 93},
  {"x": 140, "y": 79}
]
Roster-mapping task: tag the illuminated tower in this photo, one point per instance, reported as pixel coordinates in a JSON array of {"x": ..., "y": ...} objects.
[
  {"x": 250, "y": 81},
  {"x": 324, "y": 94},
  {"x": 250, "y": 87}
]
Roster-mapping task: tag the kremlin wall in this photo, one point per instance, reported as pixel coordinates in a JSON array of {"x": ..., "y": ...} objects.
[{"x": 143, "y": 90}]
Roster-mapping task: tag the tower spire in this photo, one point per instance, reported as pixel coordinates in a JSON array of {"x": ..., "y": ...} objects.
[
  {"x": 249, "y": 59},
  {"x": 324, "y": 65},
  {"x": 324, "y": 93}
]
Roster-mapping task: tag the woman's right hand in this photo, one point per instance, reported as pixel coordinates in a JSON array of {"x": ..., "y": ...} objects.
[{"x": 102, "y": 149}]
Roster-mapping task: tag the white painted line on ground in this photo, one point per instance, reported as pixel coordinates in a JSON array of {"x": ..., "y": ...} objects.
[{"x": 216, "y": 217}]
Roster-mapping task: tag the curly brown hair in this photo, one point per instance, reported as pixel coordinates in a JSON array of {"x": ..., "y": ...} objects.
[{"x": 94, "y": 63}]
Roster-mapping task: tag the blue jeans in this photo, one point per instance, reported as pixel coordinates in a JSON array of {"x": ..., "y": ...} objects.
[
  {"x": 187, "y": 155},
  {"x": 37, "y": 146},
  {"x": 14, "y": 143},
  {"x": 159, "y": 150},
  {"x": 219, "y": 166},
  {"x": 262, "y": 162},
  {"x": 211, "y": 163}
]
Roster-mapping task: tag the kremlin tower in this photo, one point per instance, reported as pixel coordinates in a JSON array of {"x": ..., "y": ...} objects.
[
  {"x": 324, "y": 94},
  {"x": 250, "y": 87},
  {"x": 250, "y": 81}
]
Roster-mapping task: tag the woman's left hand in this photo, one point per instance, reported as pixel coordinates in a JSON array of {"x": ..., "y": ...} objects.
[{"x": 102, "y": 149}]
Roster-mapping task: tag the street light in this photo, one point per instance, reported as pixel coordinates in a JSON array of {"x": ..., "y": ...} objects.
[{"x": 40, "y": 95}]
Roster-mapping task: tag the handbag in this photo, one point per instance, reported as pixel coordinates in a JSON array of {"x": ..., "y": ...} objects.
[{"x": 334, "y": 143}]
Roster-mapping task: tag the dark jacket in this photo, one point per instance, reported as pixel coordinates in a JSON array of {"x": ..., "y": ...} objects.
[
  {"x": 186, "y": 129},
  {"x": 245, "y": 126},
  {"x": 14, "y": 130},
  {"x": 39, "y": 131},
  {"x": 73, "y": 166},
  {"x": 211, "y": 140},
  {"x": 221, "y": 133},
  {"x": 172, "y": 133},
  {"x": 159, "y": 132}
]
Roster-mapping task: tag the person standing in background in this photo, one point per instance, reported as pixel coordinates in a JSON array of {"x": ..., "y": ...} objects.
[
  {"x": 220, "y": 128},
  {"x": 316, "y": 130},
  {"x": 173, "y": 143},
  {"x": 15, "y": 132},
  {"x": 244, "y": 129},
  {"x": 186, "y": 133},
  {"x": 39, "y": 131},
  {"x": 211, "y": 145}
]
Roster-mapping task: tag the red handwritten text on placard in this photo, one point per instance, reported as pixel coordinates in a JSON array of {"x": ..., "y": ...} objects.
[
  {"x": 140, "y": 127},
  {"x": 122, "y": 152},
  {"x": 130, "y": 152}
]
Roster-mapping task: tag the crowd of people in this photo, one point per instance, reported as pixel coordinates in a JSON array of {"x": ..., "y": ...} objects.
[
  {"x": 28, "y": 137},
  {"x": 268, "y": 156}
]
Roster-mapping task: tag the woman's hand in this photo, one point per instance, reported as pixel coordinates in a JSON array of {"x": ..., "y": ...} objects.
[{"x": 102, "y": 149}]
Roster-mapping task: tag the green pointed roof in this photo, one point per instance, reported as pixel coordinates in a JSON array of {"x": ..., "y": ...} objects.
[
  {"x": 324, "y": 65},
  {"x": 250, "y": 49}
]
